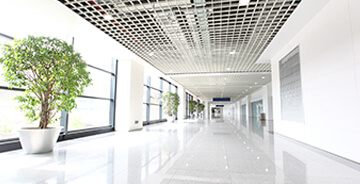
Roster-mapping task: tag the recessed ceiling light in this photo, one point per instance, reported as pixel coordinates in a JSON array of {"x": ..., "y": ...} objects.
[
  {"x": 244, "y": 2},
  {"x": 151, "y": 54},
  {"x": 108, "y": 17},
  {"x": 228, "y": 69},
  {"x": 255, "y": 82},
  {"x": 263, "y": 77},
  {"x": 232, "y": 52},
  {"x": 225, "y": 78},
  {"x": 250, "y": 87}
]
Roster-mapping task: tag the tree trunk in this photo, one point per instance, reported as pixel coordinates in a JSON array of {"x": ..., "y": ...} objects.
[{"x": 44, "y": 119}]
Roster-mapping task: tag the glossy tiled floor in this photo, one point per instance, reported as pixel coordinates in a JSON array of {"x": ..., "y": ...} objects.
[{"x": 195, "y": 152}]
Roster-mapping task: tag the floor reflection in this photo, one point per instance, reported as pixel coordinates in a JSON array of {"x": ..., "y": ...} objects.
[
  {"x": 295, "y": 169},
  {"x": 218, "y": 151}
]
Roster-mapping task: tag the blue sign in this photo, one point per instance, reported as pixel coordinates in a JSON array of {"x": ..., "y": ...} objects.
[
  {"x": 219, "y": 105},
  {"x": 221, "y": 99}
]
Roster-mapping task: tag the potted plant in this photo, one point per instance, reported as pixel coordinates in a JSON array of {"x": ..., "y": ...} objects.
[
  {"x": 170, "y": 103},
  {"x": 192, "y": 108},
  {"x": 53, "y": 75},
  {"x": 200, "y": 107}
]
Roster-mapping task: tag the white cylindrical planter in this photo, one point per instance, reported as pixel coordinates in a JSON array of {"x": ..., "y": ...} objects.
[{"x": 35, "y": 140}]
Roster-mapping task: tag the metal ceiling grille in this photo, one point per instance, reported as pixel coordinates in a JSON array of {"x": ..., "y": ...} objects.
[{"x": 191, "y": 36}]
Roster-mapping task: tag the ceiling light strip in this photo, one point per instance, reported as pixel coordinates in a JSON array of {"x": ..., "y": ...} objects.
[{"x": 217, "y": 74}]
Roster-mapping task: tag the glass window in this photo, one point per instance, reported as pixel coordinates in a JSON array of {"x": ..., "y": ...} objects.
[
  {"x": 3, "y": 40},
  {"x": 165, "y": 86},
  {"x": 93, "y": 55},
  {"x": 89, "y": 113},
  {"x": 2, "y": 81},
  {"x": 154, "y": 96},
  {"x": 101, "y": 84},
  {"x": 12, "y": 118},
  {"x": 165, "y": 115},
  {"x": 173, "y": 89},
  {"x": 154, "y": 112},
  {"x": 257, "y": 109},
  {"x": 243, "y": 115},
  {"x": 155, "y": 82}
]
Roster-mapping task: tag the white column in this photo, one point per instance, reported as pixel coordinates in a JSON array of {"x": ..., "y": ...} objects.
[
  {"x": 129, "y": 101},
  {"x": 182, "y": 106},
  {"x": 207, "y": 110}
]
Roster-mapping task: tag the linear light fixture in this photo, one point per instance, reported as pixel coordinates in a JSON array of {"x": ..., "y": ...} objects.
[
  {"x": 217, "y": 74},
  {"x": 108, "y": 17},
  {"x": 244, "y": 2}
]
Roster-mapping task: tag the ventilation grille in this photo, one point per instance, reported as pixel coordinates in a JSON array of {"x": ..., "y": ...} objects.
[{"x": 290, "y": 88}]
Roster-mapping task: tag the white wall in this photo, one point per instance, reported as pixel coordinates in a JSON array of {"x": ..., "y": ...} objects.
[
  {"x": 330, "y": 72},
  {"x": 228, "y": 112}
]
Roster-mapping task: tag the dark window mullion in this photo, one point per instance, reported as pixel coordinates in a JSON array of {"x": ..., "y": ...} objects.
[{"x": 161, "y": 91}]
